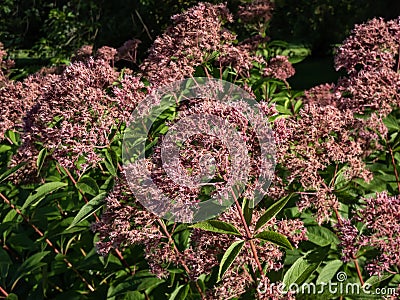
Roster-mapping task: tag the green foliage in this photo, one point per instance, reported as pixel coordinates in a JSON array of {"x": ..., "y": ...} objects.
[
  {"x": 275, "y": 238},
  {"x": 48, "y": 249},
  {"x": 217, "y": 226},
  {"x": 229, "y": 256},
  {"x": 272, "y": 211}
]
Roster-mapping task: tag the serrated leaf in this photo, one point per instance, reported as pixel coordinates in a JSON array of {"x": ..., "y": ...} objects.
[
  {"x": 272, "y": 211},
  {"x": 40, "y": 160},
  {"x": 37, "y": 195},
  {"x": 147, "y": 283},
  {"x": 229, "y": 257},
  {"x": 275, "y": 237},
  {"x": 216, "y": 226},
  {"x": 329, "y": 271},
  {"x": 88, "y": 209},
  {"x": 88, "y": 185},
  {"x": 180, "y": 293},
  {"x": 375, "y": 280},
  {"x": 321, "y": 236},
  {"x": 303, "y": 267}
]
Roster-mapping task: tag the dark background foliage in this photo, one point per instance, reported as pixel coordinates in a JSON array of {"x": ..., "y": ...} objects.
[
  {"x": 43, "y": 32},
  {"x": 39, "y": 32},
  {"x": 59, "y": 27}
]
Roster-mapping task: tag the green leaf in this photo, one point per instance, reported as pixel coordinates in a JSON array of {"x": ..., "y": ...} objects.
[
  {"x": 110, "y": 168},
  {"x": 297, "y": 106},
  {"x": 40, "y": 160},
  {"x": 13, "y": 136},
  {"x": 229, "y": 257},
  {"x": 11, "y": 171},
  {"x": 29, "y": 265},
  {"x": 5, "y": 148},
  {"x": 272, "y": 211},
  {"x": 12, "y": 296},
  {"x": 375, "y": 280},
  {"x": 247, "y": 209},
  {"x": 110, "y": 162},
  {"x": 303, "y": 267},
  {"x": 88, "y": 209},
  {"x": 37, "y": 195},
  {"x": 216, "y": 226},
  {"x": 133, "y": 295},
  {"x": 329, "y": 271},
  {"x": 5, "y": 263},
  {"x": 88, "y": 185},
  {"x": 180, "y": 293},
  {"x": 275, "y": 237},
  {"x": 120, "y": 289},
  {"x": 148, "y": 283},
  {"x": 181, "y": 236},
  {"x": 321, "y": 236},
  {"x": 391, "y": 123}
]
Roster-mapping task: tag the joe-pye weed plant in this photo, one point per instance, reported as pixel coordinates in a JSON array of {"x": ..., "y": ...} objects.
[{"x": 332, "y": 205}]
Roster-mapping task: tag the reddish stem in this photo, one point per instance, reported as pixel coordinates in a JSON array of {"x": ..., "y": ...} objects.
[
  {"x": 179, "y": 254},
  {"x": 358, "y": 269},
  {"x": 3, "y": 292},
  {"x": 117, "y": 252},
  {"x": 80, "y": 191},
  {"x": 396, "y": 174},
  {"x": 248, "y": 236},
  {"x": 41, "y": 234}
]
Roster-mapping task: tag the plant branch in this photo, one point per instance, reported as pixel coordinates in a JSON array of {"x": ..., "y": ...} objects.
[
  {"x": 48, "y": 242},
  {"x": 248, "y": 235},
  {"x": 3, "y": 292},
  {"x": 179, "y": 254},
  {"x": 396, "y": 174},
  {"x": 358, "y": 269}
]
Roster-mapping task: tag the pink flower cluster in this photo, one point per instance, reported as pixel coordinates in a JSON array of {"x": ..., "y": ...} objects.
[
  {"x": 381, "y": 217},
  {"x": 328, "y": 130}
]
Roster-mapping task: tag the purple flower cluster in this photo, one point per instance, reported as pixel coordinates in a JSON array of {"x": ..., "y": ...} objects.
[
  {"x": 370, "y": 57},
  {"x": 5, "y": 64},
  {"x": 257, "y": 11},
  {"x": 185, "y": 45},
  {"x": 125, "y": 222},
  {"x": 76, "y": 111},
  {"x": 71, "y": 114},
  {"x": 327, "y": 130},
  {"x": 322, "y": 136},
  {"x": 279, "y": 67},
  {"x": 381, "y": 217}
]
